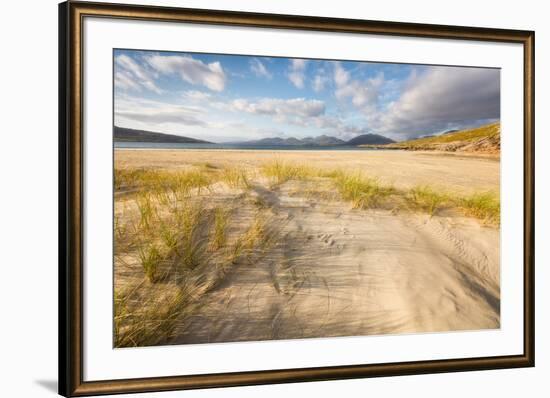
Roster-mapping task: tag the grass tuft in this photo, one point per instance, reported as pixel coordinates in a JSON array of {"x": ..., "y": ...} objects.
[
  {"x": 235, "y": 177},
  {"x": 221, "y": 220},
  {"x": 191, "y": 221},
  {"x": 146, "y": 210},
  {"x": 179, "y": 183},
  {"x": 363, "y": 192},
  {"x": 182, "y": 183},
  {"x": 427, "y": 199},
  {"x": 282, "y": 172},
  {"x": 150, "y": 258},
  {"x": 485, "y": 206},
  {"x": 139, "y": 324}
]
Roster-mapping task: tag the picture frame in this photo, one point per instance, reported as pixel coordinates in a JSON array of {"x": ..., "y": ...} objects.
[{"x": 72, "y": 206}]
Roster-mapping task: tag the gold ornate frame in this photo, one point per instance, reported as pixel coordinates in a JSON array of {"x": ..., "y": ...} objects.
[{"x": 71, "y": 15}]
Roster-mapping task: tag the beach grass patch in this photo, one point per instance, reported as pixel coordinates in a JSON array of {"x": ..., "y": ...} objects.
[
  {"x": 426, "y": 198},
  {"x": 485, "y": 206}
]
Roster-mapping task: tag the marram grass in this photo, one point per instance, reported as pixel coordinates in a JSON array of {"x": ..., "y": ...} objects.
[
  {"x": 363, "y": 192},
  {"x": 281, "y": 172}
]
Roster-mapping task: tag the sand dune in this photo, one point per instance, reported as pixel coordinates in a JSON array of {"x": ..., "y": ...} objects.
[
  {"x": 338, "y": 271},
  {"x": 341, "y": 272}
]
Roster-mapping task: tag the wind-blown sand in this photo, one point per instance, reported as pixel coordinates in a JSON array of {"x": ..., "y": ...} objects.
[{"x": 343, "y": 272}]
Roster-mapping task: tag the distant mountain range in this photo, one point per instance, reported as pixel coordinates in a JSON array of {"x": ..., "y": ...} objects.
[
  {"x": 366, "y": 139},
  {"x": 322, "y": 140},
  {"x": 122, "y": 134}
]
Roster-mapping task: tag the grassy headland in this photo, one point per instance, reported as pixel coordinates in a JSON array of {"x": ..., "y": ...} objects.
[{"x": 484, "y": 140}]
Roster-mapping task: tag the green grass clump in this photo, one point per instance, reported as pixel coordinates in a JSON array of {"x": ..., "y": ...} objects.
[
  {"x": 129, "y": 178},
  {"x": 282, "y": 172},
  {"x": 363, "y": 192},
  {"x": 146, "y": 209},
  {"x": 139, "y": 324},
  {"x": 221, "y": 220},
  {"x": 179, "y": 183},
  {"x": 169, "y": 236},
  {"x": 179, "y": 236},
  {"x": 427, "y": 199},
  {"x": 256, "y": 234},
  {"x": 191, "y": 222},
  {"x": 485, "y": 206},
  {"x": 150, "y": 258},
  {"x": 261, "y": 234},
  {"x": 235, "y": 177}
]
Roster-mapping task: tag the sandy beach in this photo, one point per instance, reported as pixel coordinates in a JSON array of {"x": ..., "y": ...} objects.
[
  {"x": 456, "y": 172},
  {"x": 331, "y": 268}
]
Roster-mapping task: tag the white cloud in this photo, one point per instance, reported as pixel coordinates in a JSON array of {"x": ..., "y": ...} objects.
[
  {"x": 319, "y": 82},
  {"x": 190, "y": 70},
  {"x": 160, "y": 117},
  {"x": 259, "y": 69},
  {"x": 156, "y": 113},
  {"x": 129, "y": 75},
  {"x": 282, "y": 108},
  {"x": 296, "y": 73},
  {"x": 363, "y": 93},
  {"x": 441, "y": 98},
  {"x": 124, "y": 81},
  {"x": 337, "y": 127},
  {"x": 341, "y": 76},
  {"x": 196, "y": 95},
  {"x": 191, "y": 121},
  {"x": 230, "y": 121},
  {"x": 298, "y": 112}
]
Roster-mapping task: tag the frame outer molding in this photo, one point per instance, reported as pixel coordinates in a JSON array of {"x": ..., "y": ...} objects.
[{"x": 71, "y": 14}]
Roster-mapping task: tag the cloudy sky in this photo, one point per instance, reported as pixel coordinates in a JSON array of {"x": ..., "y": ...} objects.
[{"x": 224, "y": 98}]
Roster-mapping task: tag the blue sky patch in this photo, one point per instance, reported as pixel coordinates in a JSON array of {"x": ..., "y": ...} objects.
[{"x": 224, "y": 98}]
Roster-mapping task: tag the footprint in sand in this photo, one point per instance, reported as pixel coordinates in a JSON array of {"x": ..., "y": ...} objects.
[{"x": 326, "y": 238}]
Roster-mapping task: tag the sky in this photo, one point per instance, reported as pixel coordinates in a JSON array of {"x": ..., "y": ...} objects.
[{"x": 230, "y": 98}]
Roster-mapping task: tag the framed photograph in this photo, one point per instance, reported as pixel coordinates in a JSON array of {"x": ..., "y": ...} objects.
[{"x": 251, "y": 198}]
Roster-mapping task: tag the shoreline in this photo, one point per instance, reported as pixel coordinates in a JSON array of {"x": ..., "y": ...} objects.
[{"x": 467, "y": 155}]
